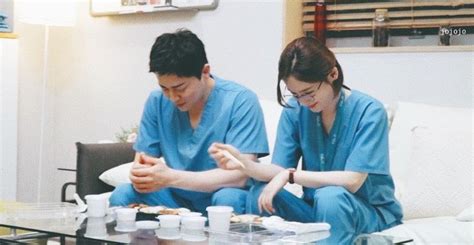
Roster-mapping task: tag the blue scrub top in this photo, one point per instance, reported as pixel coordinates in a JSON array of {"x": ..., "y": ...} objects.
[
  {"x": 232, "y": 115},
  {"x": 361, "y": 146}
]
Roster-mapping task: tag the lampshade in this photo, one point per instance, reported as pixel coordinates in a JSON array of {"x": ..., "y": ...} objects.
[{"x": 47, "y": 12}]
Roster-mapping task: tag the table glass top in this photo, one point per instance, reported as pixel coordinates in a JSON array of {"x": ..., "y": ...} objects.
[{"x": 61, "y": 221}]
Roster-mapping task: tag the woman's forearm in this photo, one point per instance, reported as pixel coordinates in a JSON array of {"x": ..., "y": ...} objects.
[
  {"x": 352, "y": 181},
  {"x": 261, "y": 171},
  {"x": 207, "y": 181}
]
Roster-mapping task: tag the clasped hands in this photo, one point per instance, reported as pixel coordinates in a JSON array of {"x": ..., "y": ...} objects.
[{"x": 149, "y": 174}]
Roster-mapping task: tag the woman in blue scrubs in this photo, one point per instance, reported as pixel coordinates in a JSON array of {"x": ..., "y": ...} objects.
[{"x": 342, "y": 138}]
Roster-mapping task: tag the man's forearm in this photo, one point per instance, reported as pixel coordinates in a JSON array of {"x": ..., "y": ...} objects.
[{"x": 207, "y": 181}]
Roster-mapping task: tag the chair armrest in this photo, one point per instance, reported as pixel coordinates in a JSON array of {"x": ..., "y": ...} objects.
[{"x": 63, "y": 191}]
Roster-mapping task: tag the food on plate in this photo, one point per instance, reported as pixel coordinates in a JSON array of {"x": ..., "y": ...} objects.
[
  {"x": 173, "y": 211},
  {"x": 152, "y": 209},
  {"x": 246, "y": 218},
  {"x": 143, "y": 208},
  {"x": 137, "y": 205}
]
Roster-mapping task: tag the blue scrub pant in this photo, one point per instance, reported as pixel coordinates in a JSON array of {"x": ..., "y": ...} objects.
[
  {"x": 347, "y": 214},
  {"x": 125, "y": 194}
]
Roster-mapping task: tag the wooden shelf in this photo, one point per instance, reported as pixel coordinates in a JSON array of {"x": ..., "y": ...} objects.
[
  {"x": 406, "y": 49},
  {"x": 8, "y": 35}
]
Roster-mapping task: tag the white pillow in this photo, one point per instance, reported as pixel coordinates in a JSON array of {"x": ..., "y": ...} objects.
[
  {"x": 271, "y": 113},
  {"x": 390, "y": 113},
  {"x": 431, "y": 159},
  {"x": 117, "y": 175},
  {"x": 466, "y": 215}
]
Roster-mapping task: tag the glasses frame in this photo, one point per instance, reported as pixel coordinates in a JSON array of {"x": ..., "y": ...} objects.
[{"x": 303, "y": 97}]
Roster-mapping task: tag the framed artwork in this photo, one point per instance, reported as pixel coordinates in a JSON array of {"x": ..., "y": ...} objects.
[{"x": 115, "y": 7}]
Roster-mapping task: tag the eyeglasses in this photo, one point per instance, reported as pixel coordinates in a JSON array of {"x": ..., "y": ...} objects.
[{"x": 304, "y": 97}]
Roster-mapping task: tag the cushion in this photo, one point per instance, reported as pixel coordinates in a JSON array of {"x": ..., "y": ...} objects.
[
  {"x": 467, "y": 215},
  {"x": 390, "y": 114},
  {"x": 271, "y": 113},
  {"x": 117, "y": 175},
  {"x": 438, "y": 230},
  {"x": 431, "y": 159}
]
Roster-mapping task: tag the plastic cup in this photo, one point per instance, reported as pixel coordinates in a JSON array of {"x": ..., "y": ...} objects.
[
  {"x": 96, "y": 205},
  {"x": 96, "y": 228},
  {"x": 126, "y": 219},
  {"x": 168, "y": 233},
  {"x": 193, "y": 223},
  {"x": 126, "y": 214},
  {"x": 193, "y": 235},
  {"x": 169, "y": 221},
  {"x": 219, "y": 217}
]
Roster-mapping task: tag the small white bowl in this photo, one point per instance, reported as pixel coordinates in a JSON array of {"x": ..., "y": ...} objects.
[
  {"x": 169, "y": 221},
  {"x": 193, "y": 223}
]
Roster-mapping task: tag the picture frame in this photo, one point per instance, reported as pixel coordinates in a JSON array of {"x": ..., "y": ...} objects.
[{"x": 118, "y": 7}]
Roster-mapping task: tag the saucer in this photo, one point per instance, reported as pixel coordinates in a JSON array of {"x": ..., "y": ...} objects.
[{"x": 125, "y": 229}]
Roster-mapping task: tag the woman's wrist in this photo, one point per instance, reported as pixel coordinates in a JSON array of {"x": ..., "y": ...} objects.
[{"x": 291, "y": 175}]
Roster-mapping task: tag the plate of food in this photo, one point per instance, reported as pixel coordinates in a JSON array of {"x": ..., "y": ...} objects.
[
  {"x": 146, "y": 212},
  {"x": 246, "y": 218}
]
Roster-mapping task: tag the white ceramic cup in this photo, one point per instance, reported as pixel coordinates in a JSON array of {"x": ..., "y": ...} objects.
[
  {"x": 96, "y": 205},
  {"x": 193, "y": 223},
  {"x": 219, "y": 217},
  {"x": 169, "y": 221}
]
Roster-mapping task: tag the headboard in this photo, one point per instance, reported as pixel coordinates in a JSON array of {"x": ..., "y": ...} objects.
[{"x": 93, "y": 159}]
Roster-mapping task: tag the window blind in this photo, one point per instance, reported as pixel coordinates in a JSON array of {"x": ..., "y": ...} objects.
[{"x": 344, "y": 16}]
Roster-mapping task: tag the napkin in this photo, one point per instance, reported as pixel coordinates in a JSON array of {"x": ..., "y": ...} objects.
[{"x": 277, "y": 223}]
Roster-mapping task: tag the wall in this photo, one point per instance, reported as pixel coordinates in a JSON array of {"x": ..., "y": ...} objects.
[
  {"x": 438, "y": 78},
  {"x": 98, "y": 77},
  {"x": 8, "y": 118}
]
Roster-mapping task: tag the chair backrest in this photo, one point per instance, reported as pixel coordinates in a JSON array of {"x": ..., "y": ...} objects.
[{"x": 94, "y": 159}]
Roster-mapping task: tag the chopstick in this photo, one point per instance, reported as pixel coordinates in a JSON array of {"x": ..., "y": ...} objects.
[{"x": 232, "y": 158}]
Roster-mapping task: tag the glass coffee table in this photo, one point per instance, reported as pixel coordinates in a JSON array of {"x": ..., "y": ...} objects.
[{"x": 60, "y": 221}]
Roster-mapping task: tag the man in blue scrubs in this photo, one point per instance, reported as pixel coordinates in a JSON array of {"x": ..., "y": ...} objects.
[{"x": 180, "y": 121}]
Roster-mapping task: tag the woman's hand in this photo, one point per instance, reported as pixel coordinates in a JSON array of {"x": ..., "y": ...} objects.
[
  {"x": 265, "y": 201},
  {"x": 224, "y": 162}
]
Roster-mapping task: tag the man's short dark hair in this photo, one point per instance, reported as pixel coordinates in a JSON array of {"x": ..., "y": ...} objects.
[{"x": 180, "y": 53}]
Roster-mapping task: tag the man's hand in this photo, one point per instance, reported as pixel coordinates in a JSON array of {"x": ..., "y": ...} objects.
[{"x": 149, "y": 174}]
